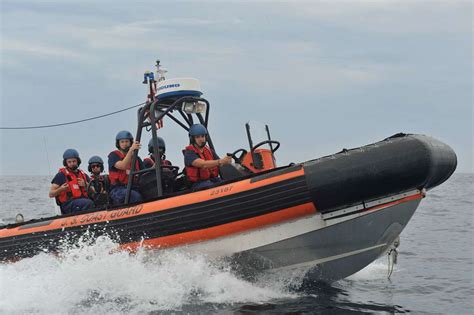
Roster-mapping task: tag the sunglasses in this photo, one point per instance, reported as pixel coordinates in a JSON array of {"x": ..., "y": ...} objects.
[{"x": 95, "y": 165}]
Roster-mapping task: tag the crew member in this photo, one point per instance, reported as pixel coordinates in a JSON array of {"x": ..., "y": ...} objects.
[
  {"x": 120, "y": 164},
  {"x": 99, "y": 186},
  {"x": 168, "y": 174},
  {"x": 202, "y": 163},
  {"x": 69, "y": 185},
  {"x": 150, "y": 161}
]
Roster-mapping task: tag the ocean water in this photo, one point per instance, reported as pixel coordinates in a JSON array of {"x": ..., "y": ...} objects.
[{"x": 434, "y": 274}]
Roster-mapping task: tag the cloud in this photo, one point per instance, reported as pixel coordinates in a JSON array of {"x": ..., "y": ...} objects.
[
  {"x": 322, "y": 59},
  {"x": 189, "y": 21},
  {"x": 283, "y": 66},
  {"x": 391, "y": 17},
  {"x": 31, "y": 48},
  {"x": 142, "y": 35}
]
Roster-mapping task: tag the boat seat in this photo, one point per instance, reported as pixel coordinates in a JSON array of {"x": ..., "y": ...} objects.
[
  {"x": 232, "y": 171},
  {"x": 147, "y": 183}
]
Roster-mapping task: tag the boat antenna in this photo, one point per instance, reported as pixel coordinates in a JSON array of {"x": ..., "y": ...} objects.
[
  {"x": 151, "y": 78},
  {"x": 160, "y": 72}
]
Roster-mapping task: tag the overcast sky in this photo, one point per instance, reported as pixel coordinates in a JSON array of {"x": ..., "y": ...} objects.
[{"x": 324, "y": 75}]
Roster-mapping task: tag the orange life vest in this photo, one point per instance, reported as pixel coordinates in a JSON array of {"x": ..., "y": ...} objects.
[
  {"x": 75, "y": 191},
  {"x": 196, "y": 174},
  {"x": 120, "y": 177}
]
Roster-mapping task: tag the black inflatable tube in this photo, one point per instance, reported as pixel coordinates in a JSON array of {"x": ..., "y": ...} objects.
[{"x": 396, "y": 164}]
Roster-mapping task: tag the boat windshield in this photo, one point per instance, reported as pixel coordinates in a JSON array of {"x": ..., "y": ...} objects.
[{"x": 258, "y": 132}]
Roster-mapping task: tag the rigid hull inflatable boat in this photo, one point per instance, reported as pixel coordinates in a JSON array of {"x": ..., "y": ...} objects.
[{"x": 330, "y": 216}]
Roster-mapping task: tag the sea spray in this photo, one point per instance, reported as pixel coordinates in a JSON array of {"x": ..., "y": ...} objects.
[
  {"x": 376, "y": 270},
  {"x": 95, "y": 278}
]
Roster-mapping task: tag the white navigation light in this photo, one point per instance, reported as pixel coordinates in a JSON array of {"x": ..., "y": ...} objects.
[
  {"x": 194, "y": 107},
  {"x": 188, "y": 107},
  {"x": 200, "y": 107}
]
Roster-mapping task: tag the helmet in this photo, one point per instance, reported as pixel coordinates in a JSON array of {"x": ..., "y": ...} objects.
[
  {"x": 161, "y": 145},
  {"x": 197, "y": 130},
  {"x": 124, "y": 134},
  {"x": 96, "y": 160},
  {"x": 71, "y": 154}
]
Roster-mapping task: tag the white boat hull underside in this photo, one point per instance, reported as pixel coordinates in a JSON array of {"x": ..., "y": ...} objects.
[{"x": 325, "y": 247}]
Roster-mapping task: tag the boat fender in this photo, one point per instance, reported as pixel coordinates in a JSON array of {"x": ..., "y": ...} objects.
[{"x": 19, "y": 218}]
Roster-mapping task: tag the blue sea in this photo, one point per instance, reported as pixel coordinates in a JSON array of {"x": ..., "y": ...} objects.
[{"x": 434, "y": 274}]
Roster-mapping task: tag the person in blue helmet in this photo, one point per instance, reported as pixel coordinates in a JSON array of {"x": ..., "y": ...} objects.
[
  {"x": 99, "y": 185},
  {"x": 120, "y": 164},
  {"x": 150, "y": 161},
  {"x": 69, "y": 185},
  {"x": 201, "y": 162},
  {"x": 168, "y": 174}
]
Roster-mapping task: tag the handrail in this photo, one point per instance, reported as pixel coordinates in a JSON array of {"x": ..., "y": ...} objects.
[{"x": 164, "y": 110}]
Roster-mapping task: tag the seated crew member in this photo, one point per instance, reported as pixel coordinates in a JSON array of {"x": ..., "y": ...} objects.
[
  {"x": 99, "y": 186},
  {"x": 120, "y": 164},
  {"x": 167, "y": 174},
  {"x": 201, "y": 163},
  {"x": 150, "y": 161},
  {"x": 69, "y": 185}
]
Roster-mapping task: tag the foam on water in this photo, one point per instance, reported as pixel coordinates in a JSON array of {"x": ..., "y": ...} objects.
[
  {"x": 91, "y": 279},
  {"x": 96, "y": 279},
  {"x": 376, "y": 270}
]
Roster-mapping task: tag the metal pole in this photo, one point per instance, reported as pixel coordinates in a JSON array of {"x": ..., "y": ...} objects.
[
  {"x": 141, "y": 115},
  {"x": 156, "y": 152},
  {"x": 270, "y": 144},
  {"x": 249, "y": 137}
]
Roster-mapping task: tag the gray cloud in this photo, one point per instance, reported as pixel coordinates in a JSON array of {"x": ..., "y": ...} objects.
[{"x": 324, "y": 75}]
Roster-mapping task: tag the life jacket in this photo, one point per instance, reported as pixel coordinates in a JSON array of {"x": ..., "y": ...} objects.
[
  {"x": 149, "y": 162},
  {"x": 196, "y": 174},
  {"x": 120, "y": 177},
  {"x": 75, "y": 191}
]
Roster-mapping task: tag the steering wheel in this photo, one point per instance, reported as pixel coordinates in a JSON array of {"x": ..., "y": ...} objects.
[
  {"x": 238, "y": 159},
  {"x": 267, "y": 142}
]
